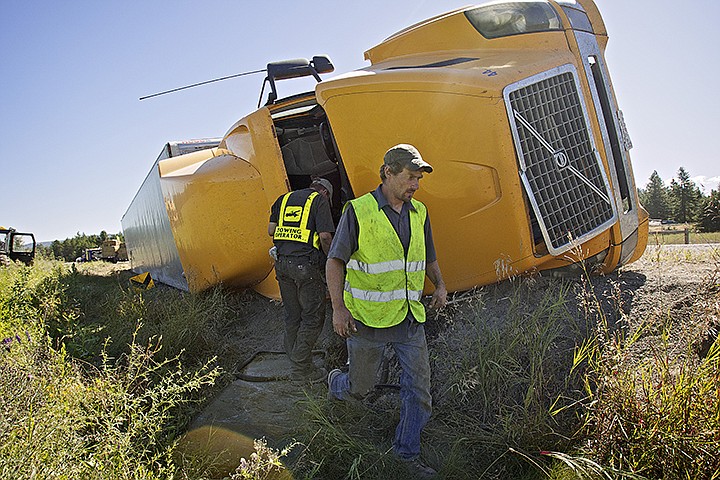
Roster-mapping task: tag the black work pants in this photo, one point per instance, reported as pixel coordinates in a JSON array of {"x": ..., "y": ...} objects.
[{"x": 303, "y": 294}]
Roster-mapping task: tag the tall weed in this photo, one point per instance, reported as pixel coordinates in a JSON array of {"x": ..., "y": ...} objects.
[
  {"x": 657, "y": 416},
  {"x": 105, "y": 306},
  {"x": 652, "y": 405},
  {"x": 500, "y": 388},
  {"x": 117, "y": 418},
  {"x": 532, "y": 378},
  {"x": 498, "y": 371},
  {"x": 348, "y": 440}
]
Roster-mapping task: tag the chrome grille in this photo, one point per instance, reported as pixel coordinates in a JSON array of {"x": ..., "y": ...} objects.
[{"x": 559, "y": 166}]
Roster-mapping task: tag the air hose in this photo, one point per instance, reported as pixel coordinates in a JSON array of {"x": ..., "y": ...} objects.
[{"x": 265, "y": 378}]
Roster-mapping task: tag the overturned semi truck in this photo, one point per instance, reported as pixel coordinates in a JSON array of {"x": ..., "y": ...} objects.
[{"x": 512, "y": 104}]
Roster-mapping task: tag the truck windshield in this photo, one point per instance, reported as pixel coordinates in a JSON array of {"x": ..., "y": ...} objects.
[{"x": 501, "y": 19}]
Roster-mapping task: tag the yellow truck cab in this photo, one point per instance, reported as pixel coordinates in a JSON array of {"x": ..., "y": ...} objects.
[{"x": 512, "y": 104}]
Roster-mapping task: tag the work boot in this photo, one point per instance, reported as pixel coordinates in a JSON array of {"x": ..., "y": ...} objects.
[
  {"x": 313, "y": 376},
  {"x": 419, "y": 469},
  {"x": 317, "y": 375}
]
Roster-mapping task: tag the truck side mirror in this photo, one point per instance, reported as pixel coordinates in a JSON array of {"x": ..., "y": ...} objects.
[
  {"x": 322, "y": 64},
  {"x": 295, "y": 68}
]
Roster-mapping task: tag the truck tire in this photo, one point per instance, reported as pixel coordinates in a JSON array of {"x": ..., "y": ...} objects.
[{"x": 4, "y": 260}]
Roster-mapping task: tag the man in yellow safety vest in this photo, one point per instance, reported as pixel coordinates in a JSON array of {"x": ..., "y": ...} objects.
[
  {"x": 302, "y": 226},
  {"x": 376, "y": 268}
]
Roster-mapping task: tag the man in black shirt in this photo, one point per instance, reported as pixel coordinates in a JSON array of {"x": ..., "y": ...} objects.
[{"x": 301, "y": 226}]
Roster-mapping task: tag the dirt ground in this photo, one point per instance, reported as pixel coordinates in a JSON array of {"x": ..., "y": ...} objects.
[{"x": 675, "y": 285}]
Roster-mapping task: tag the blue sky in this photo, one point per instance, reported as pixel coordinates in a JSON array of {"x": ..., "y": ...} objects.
[{"x": 76, "y": 143}]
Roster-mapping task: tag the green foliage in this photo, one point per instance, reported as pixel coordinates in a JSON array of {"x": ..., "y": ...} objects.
[
  {"x": 529, "y": 389},
  {"x": 72, "y": 248},
  {"x": 501, "y": 383},
  {"x": 685, "y": 198},
  {"x": 98, "y": 381},
  {"x": 190, "y": 325},
  {"x": 682, "y": 201},
  {"x": 710, "y": 221},
  {"x": 508, "y": 380},
  {"x": 120, "y": 423},
  {"x": 647, "y": 416},
  {"x": 61, "y": 418},
  {"x": 350, "y": 440},
  {"x": 655, "y": 197}
]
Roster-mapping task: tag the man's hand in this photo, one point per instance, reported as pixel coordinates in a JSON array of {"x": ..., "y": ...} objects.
[
  {"x": 343, "y": 322},
  {"x": 439, "y": 297}
]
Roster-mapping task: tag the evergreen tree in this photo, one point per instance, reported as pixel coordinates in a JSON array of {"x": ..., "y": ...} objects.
[
  {"x": 656, "y": 197},
  {"x": 72, "y": 248},
  {"x": 685, "y": 198},
  {"x": 710, "y": 221}
]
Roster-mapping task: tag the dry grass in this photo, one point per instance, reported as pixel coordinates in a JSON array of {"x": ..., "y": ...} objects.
[{"x": 532, "y": 378}]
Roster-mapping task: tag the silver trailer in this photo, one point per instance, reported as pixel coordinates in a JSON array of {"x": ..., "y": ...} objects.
[{"x": 146, "y": 225}]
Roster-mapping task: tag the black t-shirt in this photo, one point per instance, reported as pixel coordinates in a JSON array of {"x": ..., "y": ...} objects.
[{"x": 320, "y": 221}]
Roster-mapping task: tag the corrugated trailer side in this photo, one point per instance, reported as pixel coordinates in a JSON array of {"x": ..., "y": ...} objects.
[{"x": 146, "y": 225}]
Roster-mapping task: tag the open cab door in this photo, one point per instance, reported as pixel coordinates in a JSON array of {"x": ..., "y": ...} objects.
[{"x": 17, "y": 246}]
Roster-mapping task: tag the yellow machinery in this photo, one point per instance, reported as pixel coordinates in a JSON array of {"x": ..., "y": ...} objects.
[
  {"x": 510, "y": 102},
  {"x": 113, "y": 250}
]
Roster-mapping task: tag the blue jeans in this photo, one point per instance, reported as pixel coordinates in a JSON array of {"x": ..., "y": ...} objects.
[{"x": 365, "y": 351}]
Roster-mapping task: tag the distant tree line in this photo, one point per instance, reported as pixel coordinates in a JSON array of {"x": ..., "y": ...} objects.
[
  {"x": 682, "y": 201},
  {"x": 72, "y": 248}
]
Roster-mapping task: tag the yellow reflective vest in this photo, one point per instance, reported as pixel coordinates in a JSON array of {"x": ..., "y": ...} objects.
[
  {"x": 380, "y": 282},
  {"x": 293, "y": 221}
]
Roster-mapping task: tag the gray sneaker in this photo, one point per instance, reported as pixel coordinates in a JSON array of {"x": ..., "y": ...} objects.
[
  {"x": 419, "y": 469},
  {"x": 330, "y": 378}
]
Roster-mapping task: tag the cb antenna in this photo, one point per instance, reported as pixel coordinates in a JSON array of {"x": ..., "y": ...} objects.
[{"x": 204, "y": 83}]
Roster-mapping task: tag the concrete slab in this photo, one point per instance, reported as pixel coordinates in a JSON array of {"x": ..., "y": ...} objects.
[{"x": 262, "y": 403}]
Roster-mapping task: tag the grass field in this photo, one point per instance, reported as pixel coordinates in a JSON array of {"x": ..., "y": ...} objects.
[
  {"x": 675, "y": 234},
  {"x": 533, "y": 378}
]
